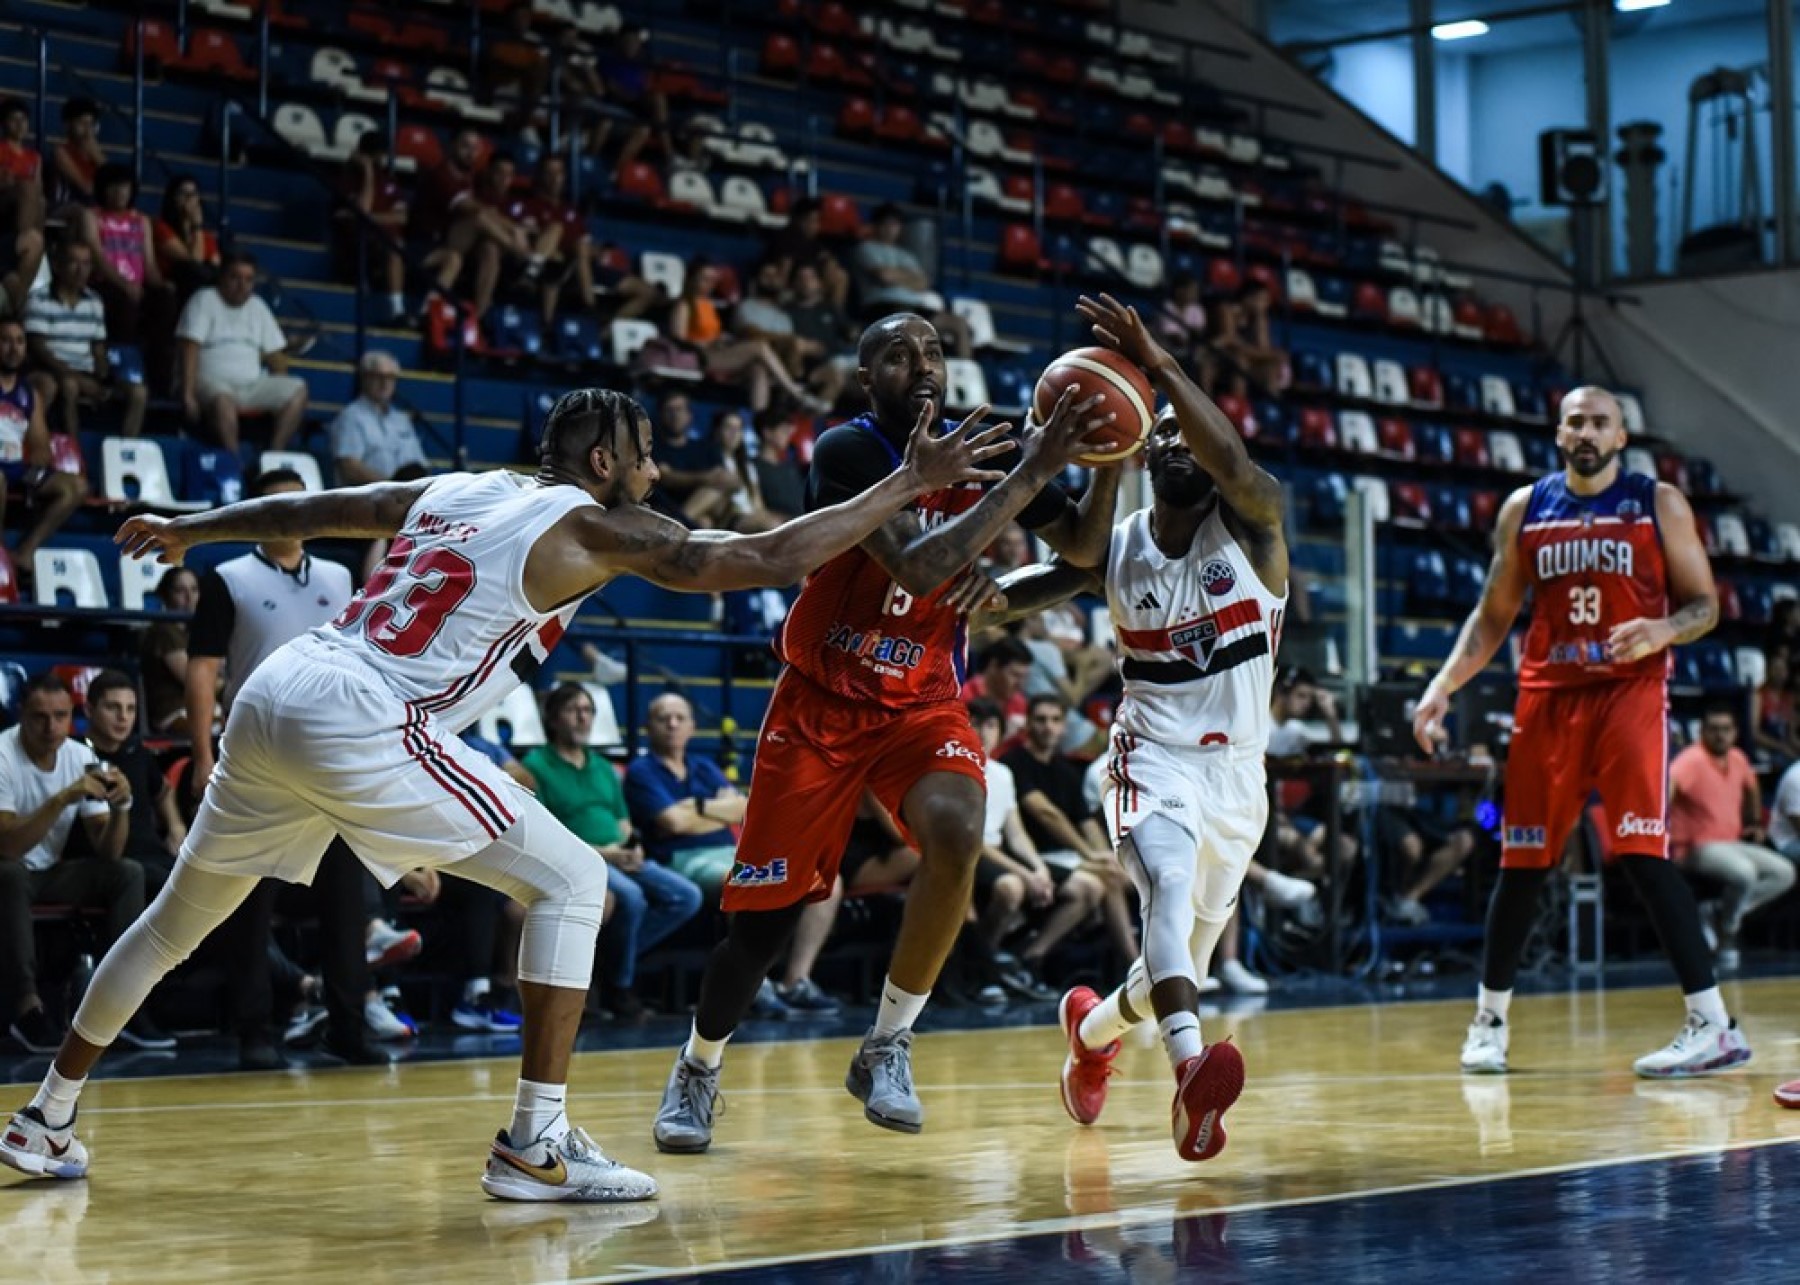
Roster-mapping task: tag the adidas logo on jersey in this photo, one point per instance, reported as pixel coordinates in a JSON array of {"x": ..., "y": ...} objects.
[{"x": 1147, "y": 603}]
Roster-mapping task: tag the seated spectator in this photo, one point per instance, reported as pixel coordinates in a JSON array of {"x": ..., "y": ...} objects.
[
  {"x": 48, "y": 780},
  {"x": 822, "y": 324},
  {"x": 21, "y": 200},
  {"x": 1295, "y": 701},
  {"x": 187, "y": 256},
  {"x": 1181, "y": 326},
  {"x": 1772, "y": 710},
  {"x": 692, "y": 474},
  {"x": 581, "y": 789},
  {"x": 625, "y": 72},
  {"x": 75, "y": 161},
  {"x": 682, "y": 805},
  {"x": 372, "y": 439},
  {"x": 65, "y": 326},
  {"x": 1784, "y": 815},
  {"x": 1784, "y": 627},
  {"x": 234, "y": 359},
  {"x": 516, "y": 66},
  {"x": 890, "y": 278},
  {"x": 368, "y": 183},
  {"x": 760, "y": 315},
  {"x": 1423, "y": 854},
  {"x": 799, "y": 246},
  {"x": 124, "y": 251},
  {"x": 452, "y": 227},
  {"x": 1715, "y": 828},
  {"x": 1000, "y": 676},
  {"x": 569, "y": 249},
  {"x": 694, "y": 320},
  {"x": 162, "y": 655},
  {"x": 156, "y": 828},
  {"x": 778, "y": 474},
  {"x": 743, "y": 509},
  {"x": 1064, "y": 827},
  {"x": 1249, "y": 361},
  {"x": 1064, "y": 665},
  {"x": 25, "y": 452}
]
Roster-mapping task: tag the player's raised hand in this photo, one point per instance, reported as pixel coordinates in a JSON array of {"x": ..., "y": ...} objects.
[
  {"x": 1119, "y": 327},
  {"x": 1636, "y": 639},
  {"x": 146, "y": 534},
  {"x": 1059, "y": 439},
  {"x": 937, "y": 461},
  {"x": 1428, "y": 719}
]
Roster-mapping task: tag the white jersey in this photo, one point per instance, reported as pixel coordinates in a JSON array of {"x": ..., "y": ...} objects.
[
  {"x": 1197, "y": 637},
  {"x": 445, "y": 620}
]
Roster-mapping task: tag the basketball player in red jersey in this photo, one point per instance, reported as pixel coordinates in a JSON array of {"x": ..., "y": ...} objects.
[
  {"x": 1617, "y": 576},
  {"x": 875, "y": 651}
]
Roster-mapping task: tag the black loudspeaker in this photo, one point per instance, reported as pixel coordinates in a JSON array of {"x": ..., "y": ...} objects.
[{"x": 1571, "y": 168}]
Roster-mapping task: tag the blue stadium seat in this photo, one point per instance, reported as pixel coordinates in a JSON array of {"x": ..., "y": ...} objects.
[
  {"x": 1756, "y": 602},
  {"x": 1313, "y": 370},
  {"x": 1429, "y": 585},
  {"x": 211, "y": 474},
  {"x": 127, "y": 362},
  {"x": 1333, "y": 294},
  {"x": 1540, "y": 454},
  {"x": 1330, "y": 492},
  {"x": 579, "y": 339},
  {"x": 1433, "y": 443},
  {"x": 1762, "y": 538},
  {"x": 512, "y": 329},
  {"x": 1450, "y": 506},
  {"x": 1461, "y": 392},
  {"x": 1467, "y": 576},
  {"x": 1702, "y": 475},
  {"x": 1715, "y": 664},
  {"x": 1273, "y": 419},
  {"x": 1528, "y": 400}
]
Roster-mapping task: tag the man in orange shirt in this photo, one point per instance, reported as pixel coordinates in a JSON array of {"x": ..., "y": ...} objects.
[{"x": 1715, "y": 827}]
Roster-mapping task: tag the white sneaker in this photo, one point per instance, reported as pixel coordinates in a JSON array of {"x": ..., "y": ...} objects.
[
  {"x": 382, "y": 1022},
  {"x": 1700, "y": 1047},
  {"x": 1240, "y": 980},
  {"x": 1285, "y": 892},
  {"x": 570, "y": 1168},
  {"x": 385, "y": 945},
  {"x": 38, "y": 1151},
  {"x": 1209, "y": 985},
  {"x": 1484, "y": 1048}
]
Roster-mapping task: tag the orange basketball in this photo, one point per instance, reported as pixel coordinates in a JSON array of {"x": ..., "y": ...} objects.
[{"x": 1119, "y": 380}]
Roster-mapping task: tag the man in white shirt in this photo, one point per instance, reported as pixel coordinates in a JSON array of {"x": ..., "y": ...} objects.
[
  {"x": 48, "y": 779},
  {"x": 373, "y": 440},
  {"x": 234, "y": 359},
  {"x": 1784, "y": 815}
]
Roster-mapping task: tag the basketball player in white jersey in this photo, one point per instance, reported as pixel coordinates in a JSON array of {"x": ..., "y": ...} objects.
[
  {"x": 351, "y": 730},
  {"x": 1197, "y": 586}
]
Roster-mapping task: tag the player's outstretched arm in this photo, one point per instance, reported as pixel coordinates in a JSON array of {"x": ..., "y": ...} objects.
[
  {"x": 1084, "y": 530},
  {"x": 1252, "y": 493},
  {"x": 370, "y": 512},
  {"x": 1032, "y": 589},
  {"x": 1485, "y": 629},
  {"x": 1691, "y": 587},
  {"x": 642, "y": 543}
]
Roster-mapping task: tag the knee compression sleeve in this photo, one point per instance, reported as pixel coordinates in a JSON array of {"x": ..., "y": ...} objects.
[
  {"x": 560, "y": 881},
  {"x": 1160, "y": 858},
  {"x": 191, "y": 905}
]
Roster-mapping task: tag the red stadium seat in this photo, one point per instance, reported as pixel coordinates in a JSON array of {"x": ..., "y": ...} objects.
[
  {"x": 376, "y": 26},
  {"x": 1222, "y": 277},
  {"x": 76, "y": 678},
  {"x": 856, "y": 119},
  {"x": 1469, "y": 321},
  {"x": 9, "y": 578},
  {"x": 1730, "y": 606},
  {"x": 1369, "y": 302},
  {"x": 1484, "y": 509},
  {"x": 1501, "y": 327},
  {"x": 1409, "y": 501},
  {"x": 1020, "y": 251},
  {"x": 1472, "y": 448},
  {"x": 780, "y": 56},
  {"x": 899, "y": 123},
  {"x": 1178, "y": 137},
  {"x": 1064, "y": 70},
  {"x": 161, "y": 48},
  {"x": 212, "y": 50},
  {"x": 1018, "y": 187},
  {"x": 1063, "y": 202},
  {"x": 834, "y": 19},
  {"x": 1139, "y": 125},
  {"x": 1237, "y": 410},
  {"x": 838, "y": 216},
  {"x": 1269, "y": 277},
  {"x": 1426, "y": 386},
  {"x": 1673, "y": 470},
  {"x": 422, "y": 38},
  {"x": 1317, "y": 428},
  {"x": 1396, "y": 437},
  {"x": 640, "y": 182},
  {"x": 421, "y": 144}
]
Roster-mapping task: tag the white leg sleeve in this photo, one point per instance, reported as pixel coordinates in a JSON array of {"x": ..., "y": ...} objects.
[
  {"x": 560, "y": 881},
  {"x": 1160, "y": 857},
  {"x": 191, "y": 905}
]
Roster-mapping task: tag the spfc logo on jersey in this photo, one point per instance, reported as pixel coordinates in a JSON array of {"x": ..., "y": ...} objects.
[
  {"x": 1217, "y": 577},
  {"x": 1196, "y": 641}
]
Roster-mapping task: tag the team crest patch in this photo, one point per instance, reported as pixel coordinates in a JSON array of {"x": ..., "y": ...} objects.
[
  {"x": 1630, "y": 510},
  {"x": 1196, "y": 641},
  {"x": 1217, "y": 577}
]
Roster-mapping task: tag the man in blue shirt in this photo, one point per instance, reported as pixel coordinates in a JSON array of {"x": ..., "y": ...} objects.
[
  {"x": 372, "y": 439},
  {"x": 683, "y": 806}
]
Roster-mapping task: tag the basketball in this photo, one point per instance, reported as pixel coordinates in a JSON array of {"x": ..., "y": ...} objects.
[{"x": 1127, "y": 392}]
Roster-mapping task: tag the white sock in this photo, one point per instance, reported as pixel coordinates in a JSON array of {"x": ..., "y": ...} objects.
[
  {"x": 1180, "y": 1037},
  {"x": 1495, "y": 1002},
  {"x": 1108, "y": 1020},
  {"x": 1710, "y": 1004},
  {"x": 709, "y": 1053},
  {"x": 55, "y": 1098},
  {"x": 397, "y": 302},
  {"x": 475, "y": 990},
  {"x": 539, "y": 1113},
  {"x": 899, "y": 1009}
]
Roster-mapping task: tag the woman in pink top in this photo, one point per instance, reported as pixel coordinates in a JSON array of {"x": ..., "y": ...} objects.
[{"x": 124, "y": 251}]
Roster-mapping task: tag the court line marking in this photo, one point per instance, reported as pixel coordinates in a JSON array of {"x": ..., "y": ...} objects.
[{"x": 1141, "y": 1216}]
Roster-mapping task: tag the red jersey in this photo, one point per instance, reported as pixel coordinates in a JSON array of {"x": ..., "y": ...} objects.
[
  {"x": 1593, "y": 563},
  {"x": 853, "y": 631}
]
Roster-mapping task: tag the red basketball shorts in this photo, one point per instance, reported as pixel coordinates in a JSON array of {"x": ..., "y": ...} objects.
[
  {"x": 1571, "y": 742},
  {"x": 816, "y": 755}
]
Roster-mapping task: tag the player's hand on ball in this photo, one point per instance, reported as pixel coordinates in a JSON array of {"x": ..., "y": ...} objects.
[
  {"x": 1119, "y": 327},
  {"x": 146, "y": 534},
  {"x": 974, "y": 591},
  {"x": 1061, "y": 438},
  {"x": 1428, "y": 719},
  {"x": 1636, "y": 639},
  {"x": 940, "y": 461}
]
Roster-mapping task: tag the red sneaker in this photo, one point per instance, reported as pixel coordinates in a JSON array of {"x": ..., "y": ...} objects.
[
  {"x": 1788, "y": 1095},
  {"x": 1206, "y": 1086},
  {"x": 1085, "y": 1070}
]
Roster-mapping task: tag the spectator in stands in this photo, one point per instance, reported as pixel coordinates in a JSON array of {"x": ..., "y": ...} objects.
[
  {"x": 581, "y": 789},
  {"x": 1249, "y": 361},
  {"x": 47, "y": 781},
  {"x": 890, "y": 278},
  {"x": 822, "y": 323},
  {"x": 1181, "y": 325},
  {"x": 1424, "y": 854},
  {"x": 1065, "y": 830},
  {"x": 25, "y": 460},
  {"x": 517, "y": 66},
  {"x": 1715, "y": 828},
  {"x": 163, "y": 655},
  {"x": 368, "y": 182},
  {"x": 1784, "y": 627},
  {"x": 681, "y": 804},
  {"x": 76, "y": 160},
  {"x": 156, "y": 828},
  {"x": 65, "y": 326},
  {"x": 778, "y": 474},
  {"x": 694, "y": 320},
  {"x": 1295, "y": 702},
  {"x": 1010, "y": 550},
  {"x": 626, "y": 74},
  {"x": 760, "y": 315},
  {"x": 187, "y": 255},
  {"x": 372, "y": 439},
  {"x": 1064, "y": 665},
  {"x": 800, "y": 247},
  {"x": 744, "y": 509},
  {"x": 21, "y": 198},
  {"x": 1784, "y": 815},
  {"x": 692, "y": 474},
  {"x": 450, "y": 226},
  {"x": 234, "y": 359},
  {"x": 1772, "y": 710},
  {"x": 1000, "y": 676},
  {"x": 124, "y": 250}
]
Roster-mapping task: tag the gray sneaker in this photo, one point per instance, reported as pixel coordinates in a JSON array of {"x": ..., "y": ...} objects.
[
  {"x": 881, "y": 1079},
  {"x": 684, "y": 1124}
]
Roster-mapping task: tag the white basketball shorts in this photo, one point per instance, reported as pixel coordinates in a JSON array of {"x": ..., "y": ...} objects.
[{"x": 1219, "y": 795}]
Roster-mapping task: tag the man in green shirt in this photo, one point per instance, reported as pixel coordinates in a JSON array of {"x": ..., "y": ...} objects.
[{"x": 581, "y": 789}]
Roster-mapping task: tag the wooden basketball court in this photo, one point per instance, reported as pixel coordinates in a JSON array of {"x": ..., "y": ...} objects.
[{"x": 359, "y": 1175}]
